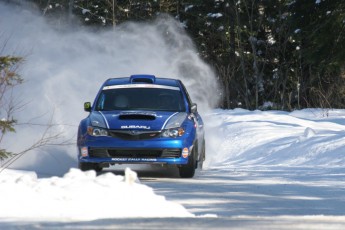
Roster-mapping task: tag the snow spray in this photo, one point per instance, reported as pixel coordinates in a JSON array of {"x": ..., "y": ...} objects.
[{"x": 65, "y": 67}]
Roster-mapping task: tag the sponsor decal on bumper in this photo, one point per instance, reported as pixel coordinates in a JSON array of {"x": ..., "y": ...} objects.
[{"x": 134, "y": 159}]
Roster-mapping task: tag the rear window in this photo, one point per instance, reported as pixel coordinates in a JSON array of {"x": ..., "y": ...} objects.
[{"x": 133, "y": 98}]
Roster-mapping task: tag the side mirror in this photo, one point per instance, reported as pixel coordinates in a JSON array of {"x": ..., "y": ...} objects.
[
  {"x": 194, "y": 108},
  {"x": 87, "y": 106}
]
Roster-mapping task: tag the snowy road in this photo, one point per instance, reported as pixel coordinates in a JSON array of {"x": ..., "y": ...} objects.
[
  {"x": 266, "y": 197},
  {"x": 293, "y": 177},
  {"x": 258, "y": 191},
  {"x": 261, "y": 197},
  {"x": 269, "y": 197}
]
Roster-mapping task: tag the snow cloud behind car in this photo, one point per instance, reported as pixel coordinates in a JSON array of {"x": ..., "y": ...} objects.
[{"x": 64, "y": 64}]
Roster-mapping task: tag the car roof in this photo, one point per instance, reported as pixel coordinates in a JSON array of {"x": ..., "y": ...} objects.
[{"x": 142, "y": 78}]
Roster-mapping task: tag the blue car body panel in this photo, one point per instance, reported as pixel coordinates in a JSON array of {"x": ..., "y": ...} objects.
[{"x": 148, "y": 131}]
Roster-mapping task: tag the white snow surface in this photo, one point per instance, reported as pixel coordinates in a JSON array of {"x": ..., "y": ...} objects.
[
  {"x": 77, "y": 195},
  {"x": 310, "y": 137},
  {"x": 235, "y": 139}
]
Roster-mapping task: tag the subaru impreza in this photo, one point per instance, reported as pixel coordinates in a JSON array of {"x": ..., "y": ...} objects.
[{"x": 142, "y": 119}]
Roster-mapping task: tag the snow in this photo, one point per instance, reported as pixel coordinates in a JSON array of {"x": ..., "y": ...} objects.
[
  {"x": 214, "y": 15},
  {"x": 261, "y": 141},
  {"x": 188, "y": 8},
  {"x": 77, "y": 194},
  {"x": 300, "y": 138},
  {"x": 84, "y": 11}
]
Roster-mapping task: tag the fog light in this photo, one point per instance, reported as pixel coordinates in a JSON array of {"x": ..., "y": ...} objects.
[
  {"x": 84, "y": 152},
  {"x": 185, "y": 153}
]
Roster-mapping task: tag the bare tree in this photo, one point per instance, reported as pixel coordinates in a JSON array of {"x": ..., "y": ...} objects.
[{"x": 48, "y": 137}]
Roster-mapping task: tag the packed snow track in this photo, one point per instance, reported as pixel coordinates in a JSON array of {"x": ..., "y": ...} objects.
[{"x": 236, "y": 198}]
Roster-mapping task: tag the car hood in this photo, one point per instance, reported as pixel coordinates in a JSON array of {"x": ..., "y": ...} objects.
[{"x": 137, "y": 120}]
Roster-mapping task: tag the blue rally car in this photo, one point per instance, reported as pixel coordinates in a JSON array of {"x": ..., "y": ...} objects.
[{"x": 142, "y": 119}]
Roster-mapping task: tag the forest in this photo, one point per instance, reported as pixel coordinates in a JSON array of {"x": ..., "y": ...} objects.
[{"x": 282, "y": 54}]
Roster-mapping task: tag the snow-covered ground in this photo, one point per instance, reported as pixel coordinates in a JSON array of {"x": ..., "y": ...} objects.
[
  {"x": 313, "y": 137},
  {"x": 277, "y": 163},
  {"x": 80, "y": 196}
]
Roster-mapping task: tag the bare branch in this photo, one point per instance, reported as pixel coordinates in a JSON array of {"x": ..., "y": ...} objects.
[{"x": 48, "y": 138}]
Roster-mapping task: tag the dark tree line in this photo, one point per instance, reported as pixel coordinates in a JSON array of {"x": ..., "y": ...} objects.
[{"x": 284, "y": 54}]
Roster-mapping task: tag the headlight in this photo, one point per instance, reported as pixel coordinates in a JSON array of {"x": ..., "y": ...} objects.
[
  {"x": 173, "y": 127},
  {"x": 175, "y": 132},
  {"x": 96, "y": 131},
  {"x": 176, "y": 121}
]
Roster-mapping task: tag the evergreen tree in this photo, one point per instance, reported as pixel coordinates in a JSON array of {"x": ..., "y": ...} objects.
[
  {"x": 9, "y": 78},
  {"x": 287, "y": 52},
  {"x": 322, "y": 37}
]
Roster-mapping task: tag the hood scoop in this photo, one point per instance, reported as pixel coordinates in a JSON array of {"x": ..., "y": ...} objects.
[{"x": 137, "y": 116}]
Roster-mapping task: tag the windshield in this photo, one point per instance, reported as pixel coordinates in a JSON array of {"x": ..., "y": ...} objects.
[{"x": 140, "y": 99}]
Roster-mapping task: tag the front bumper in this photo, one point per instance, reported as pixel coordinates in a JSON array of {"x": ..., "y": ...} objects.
[
  {"x": 116, "y": 151},
  {"x": 138, "y": 160}
]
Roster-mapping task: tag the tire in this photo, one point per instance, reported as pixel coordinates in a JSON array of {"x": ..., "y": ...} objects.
[
  {"x": 90, "y": 166},
  {"x": 202, "y": 156},
  {"x": 188, "y": 170}
]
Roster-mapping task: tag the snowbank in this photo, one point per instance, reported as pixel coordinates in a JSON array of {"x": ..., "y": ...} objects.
[
  {"x": 80, "y": 196},
  {"x": 309, "y": 137}
]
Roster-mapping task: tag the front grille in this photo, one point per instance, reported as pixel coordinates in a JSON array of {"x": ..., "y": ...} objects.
[
  {"x": 134, "y": 134},
  {"x": 135, "y": 153},
  {"x": 171, "y": 153},
  {"x": 98, "y": 153}
]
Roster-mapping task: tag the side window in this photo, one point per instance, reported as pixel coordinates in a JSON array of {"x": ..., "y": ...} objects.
[
  {"x": 100, "y": 104},
  {"x": 186, "y": 92}
]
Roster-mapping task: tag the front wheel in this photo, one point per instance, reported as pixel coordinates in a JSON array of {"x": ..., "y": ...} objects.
[
  {"x": 89, "y": 166},
  {"x": 188, "y": 170},
  {"x": 202, "y": 156}
]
